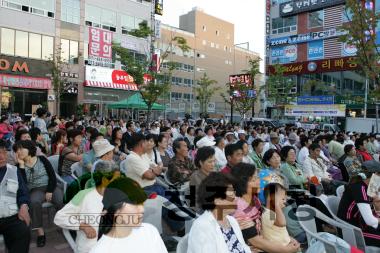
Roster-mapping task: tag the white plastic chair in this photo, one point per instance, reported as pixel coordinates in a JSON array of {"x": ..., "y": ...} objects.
[
  {"x": 77, "y": 170},
  {"x": 306, "y": 216},
  {"x": 70, "y": 240},
  {"x": 339, "y": 191},
  {"x": 359, "y": 238},
  {"x": 183, "y": 244},
  {"x": 153, "y": 212},
  {"x": 54, "y": 160}
]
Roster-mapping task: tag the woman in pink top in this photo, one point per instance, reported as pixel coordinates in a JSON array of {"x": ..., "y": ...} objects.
[{"x": 248, "y": 211}]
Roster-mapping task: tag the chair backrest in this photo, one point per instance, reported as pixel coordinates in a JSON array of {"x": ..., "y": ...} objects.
[
  {"x": 70, "y": 240},
  {"x": 54, "y": 159},
  {"x": 333, "y": 204},
  {"x": 77, "y": 169},
  {"x": 183, "y": 244},
  {"x": 153, "y": 212},
  {"x": 339, "y": 191},
  {"x": 306, "y": 218},
  {"x": 123, "y": 166}
]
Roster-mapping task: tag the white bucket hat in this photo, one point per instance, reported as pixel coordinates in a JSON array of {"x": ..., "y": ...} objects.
[
  {"x": 205, "y": 142},
  {"x": 102, "y": 147}
]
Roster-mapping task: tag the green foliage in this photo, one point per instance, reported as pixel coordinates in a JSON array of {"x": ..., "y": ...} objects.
[
  {"x": 278, "y": 86},
  {"x": 317, "y": 88},
  {"x": 57, "y": 65},
  {"x": 204, "y": 91},
  {"x": 361, "y": 34},
  {"x": 143, "y": 31},
  {"x": 160, "y": 83}
]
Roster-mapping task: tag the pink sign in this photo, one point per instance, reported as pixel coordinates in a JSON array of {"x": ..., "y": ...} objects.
[
  {"x": 100, "y": 43},
  {"x": 25, "y": 82}
]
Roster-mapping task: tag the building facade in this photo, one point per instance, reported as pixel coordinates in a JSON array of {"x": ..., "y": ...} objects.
[
  {"x": 34, "y": 32},
  {"x": 304, "y": 37},
  {"x": 214, "y": 52}
]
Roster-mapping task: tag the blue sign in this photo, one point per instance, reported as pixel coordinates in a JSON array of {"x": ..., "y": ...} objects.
[
  {"x": 315, "y": 100},
  {"x": 306, "y": 37},
  {"x": 284, "y": 54},
  {"x": 315, "y": 50}
]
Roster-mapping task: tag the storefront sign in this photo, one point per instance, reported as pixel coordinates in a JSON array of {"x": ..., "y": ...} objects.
[
  {"x": 315, "y": 100},
  {"x": 69, "y": 74},
  {"x": 242, "y": 78},
  {"x": 211, "y": 107},
  {"x": 70, "y": 88},
  {"x": 100, "y": 45},
  {"x": 349, "y": 50},
  {"x": 319, "y": 66},
  {"x": 15, "y": 66},
  {"x": 158, "y": 7},
  {"x": 315, "y": 50},
  {"x": 298, "y": 6},
  {"x": 315, "y": 110},
  {"x": 286, "y": 53},
  {"x": 24, "y": 82},
  {"x": 109, "y": 78},
  {"x": 306, "y": 37},
  {"x": 157, "y": 29}
]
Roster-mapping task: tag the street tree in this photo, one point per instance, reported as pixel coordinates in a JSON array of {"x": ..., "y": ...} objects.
[
  {"x": 279, "y": 86},
  {"x": 152, "y": 84},
  {"x": 57, "y": 65},
  {"x": 360, "y": 28},
  {"x": 204, "y": 90},
  {"x": 246, "y": 94}
]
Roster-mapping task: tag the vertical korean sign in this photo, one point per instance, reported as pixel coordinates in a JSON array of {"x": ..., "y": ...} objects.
[
  {"x": 267, "y": 29},
  {"x": 100, "y": 47}
]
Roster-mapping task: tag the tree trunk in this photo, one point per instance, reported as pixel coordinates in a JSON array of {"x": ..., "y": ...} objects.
[{"x": 148, "y": 114}]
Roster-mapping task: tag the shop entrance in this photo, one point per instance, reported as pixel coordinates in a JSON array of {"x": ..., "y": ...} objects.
[{"x": 24, "y": 101}]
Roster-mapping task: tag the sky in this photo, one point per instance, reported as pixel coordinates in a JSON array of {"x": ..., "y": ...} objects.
[{"x": 247, "y": 15}]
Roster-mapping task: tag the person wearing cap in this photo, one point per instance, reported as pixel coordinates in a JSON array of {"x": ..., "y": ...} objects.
[
  {"x": 292, "y": 140},
  {"x": 121, "y": 227},
  {"x": 371, "y": 147},
  {"x": 139, "y": 169},
  {"x": 349, "y": 139},
  {"x": 104, "y": 152},
  {"x": 205, "y": 142},
  {"x": 180, "y": 166},
  {"x": 82, "y": 212},
  {"x": 230, "y": 138},
  {"x": 273, "y": 143},
  {"x": 355, "y": 204},
  {"x": 241, "y": 135}
]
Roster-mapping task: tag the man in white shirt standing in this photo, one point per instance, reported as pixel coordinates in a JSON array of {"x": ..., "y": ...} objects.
[{"x": 139, "y": 169}]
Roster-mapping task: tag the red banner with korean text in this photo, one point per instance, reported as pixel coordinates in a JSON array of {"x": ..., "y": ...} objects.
[
  {"x": 318, "y": 66},
  {"x": 100, "y": 43}
]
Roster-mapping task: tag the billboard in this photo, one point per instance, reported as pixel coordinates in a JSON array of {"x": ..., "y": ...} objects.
[
  {"x": 315, "y": 110},
  {"x": 315, "y": 50},
  {"x": 159, "y": 7},
  {"x": 298, "y": 6},
  {"x": 100, "y": 45},
  {"x": 315, "y": 100}
]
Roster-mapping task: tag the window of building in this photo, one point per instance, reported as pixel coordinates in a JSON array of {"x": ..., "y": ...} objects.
[
  {"x": 70, "y": 11},
  {"x": 315, "y": 19},
  {"x": 7, "y": 41},
  {"x": 47, "y": 47},
  {"x": 35, "y": 45},
  {"x": 100, "y": 17},
  {"x": 204, "y": 42},
  {"x": 217, "y": 33},
  {"x": 69, "y": 51},
  {"x": 284, "y": 25},
  {"x": 127, "y": 23},
  {"x": 204, "y": 28},
  {"x": 44, "y": 8},
  {"x": 24, "y": 44},
  {"x": 346, "y": 15},
  {"x": 176, "y": 95},
  {"x": 212, "y": 44},
  {"x": 225, "y": 48}
]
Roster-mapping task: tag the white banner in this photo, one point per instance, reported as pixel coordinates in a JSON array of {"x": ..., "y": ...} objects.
[
  {"x": 316, "y": 110},
  {"x": 211, "y": 107}
]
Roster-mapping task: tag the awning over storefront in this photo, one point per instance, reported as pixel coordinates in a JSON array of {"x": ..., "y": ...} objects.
[
  {"x": 135, "y": 102},
  {"x": 111, "y": 85},
  {"x": 109, "y": 78}
]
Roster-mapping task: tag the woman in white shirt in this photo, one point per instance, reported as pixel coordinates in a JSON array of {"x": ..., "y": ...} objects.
[
  {"x": 151, "y": 153},
  {"x": 121, "y": 228},
  {"x": 304, "y": 151},
  {"x": 216, "y": 231},
  {"x": 220, "y": 157}
]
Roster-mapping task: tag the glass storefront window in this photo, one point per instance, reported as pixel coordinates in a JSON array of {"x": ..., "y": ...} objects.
[
  {"x": 47, "y": 47},
  {"x": 48, "y": 5},
  {"x": 35, "y": 45},
  {"x": 316, "y": 19},
  {"x": 7, "y": 41},
  {"x": 69, "y": 51},
  {"x": 127, "y": 23},
  {"x": 21, "y": 44}
]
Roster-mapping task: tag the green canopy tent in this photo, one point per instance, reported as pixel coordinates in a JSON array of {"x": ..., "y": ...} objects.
[{"x": 135, "y": 102}]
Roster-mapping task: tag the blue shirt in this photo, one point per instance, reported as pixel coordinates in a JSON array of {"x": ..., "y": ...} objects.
[
  {"x": 265, "y": 177},
  {"x": 23, "y": 191}
]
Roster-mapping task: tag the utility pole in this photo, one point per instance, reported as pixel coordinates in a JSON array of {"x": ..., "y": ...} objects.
[{"x": 366, "y": 98}]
